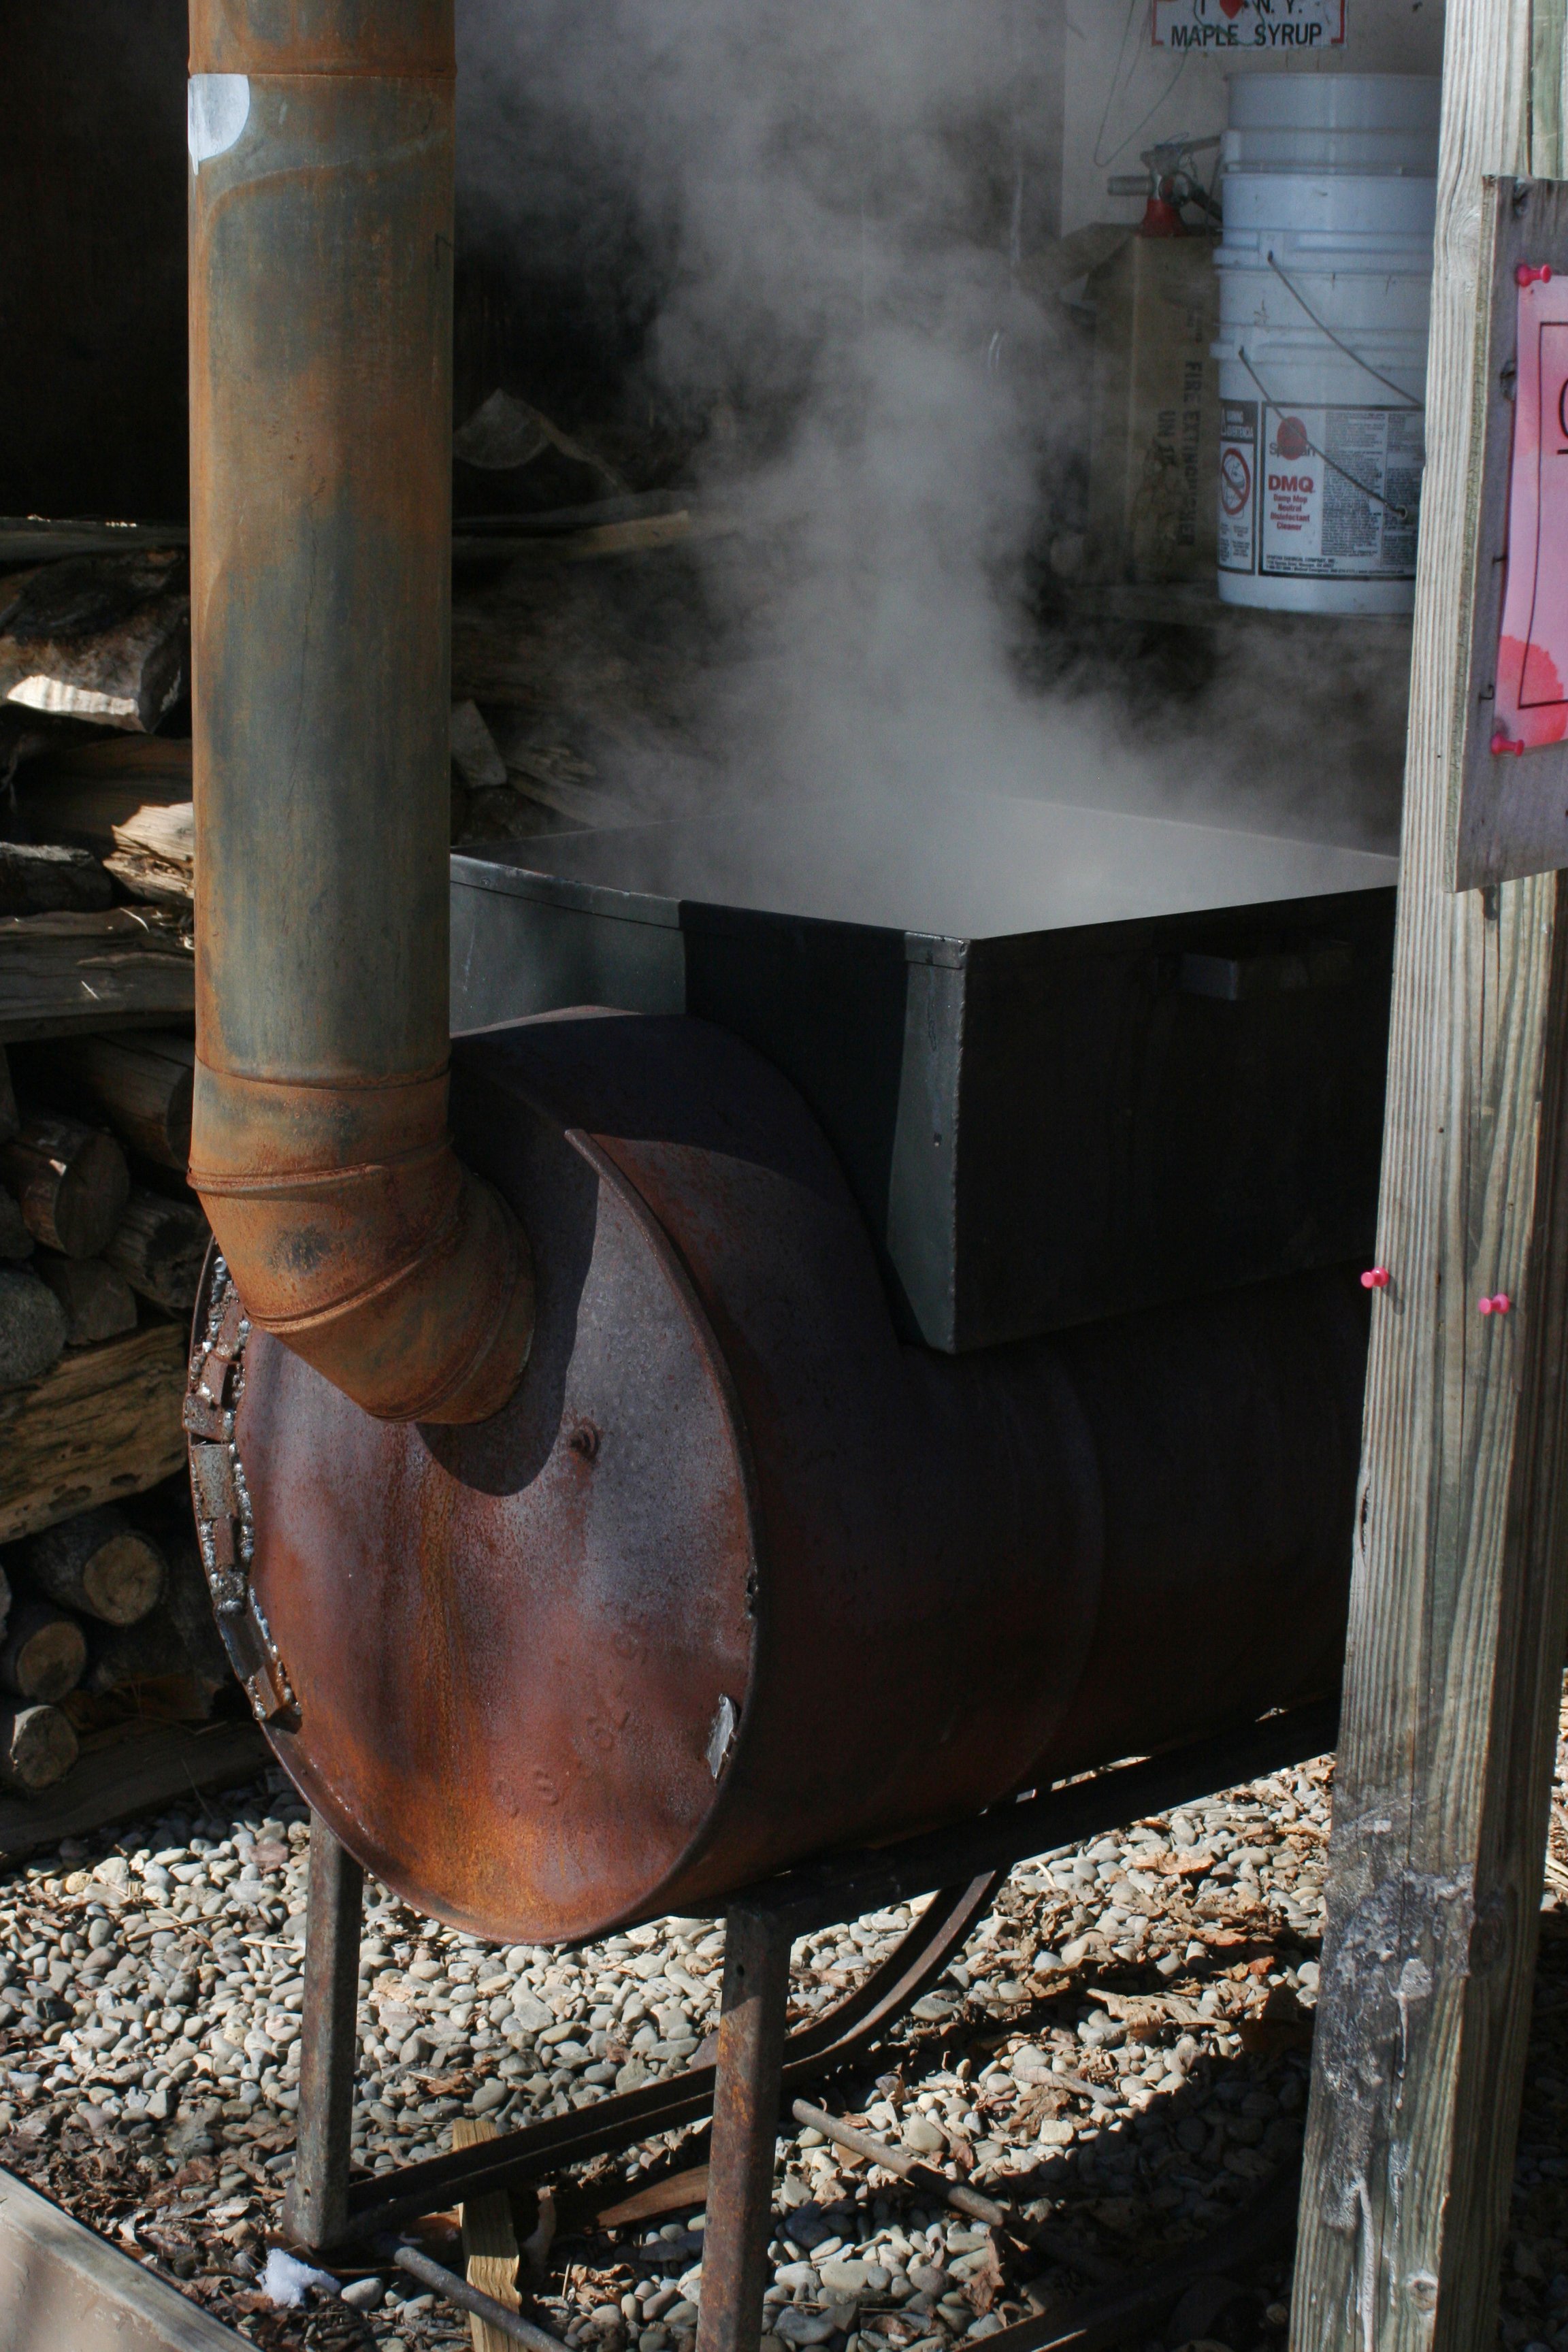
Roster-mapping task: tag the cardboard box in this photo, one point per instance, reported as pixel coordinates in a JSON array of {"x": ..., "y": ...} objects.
[{"x": 1154, "y": 454}]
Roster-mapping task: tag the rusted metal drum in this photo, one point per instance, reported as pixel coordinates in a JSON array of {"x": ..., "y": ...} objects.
[{"x": 735, "y": 1578}]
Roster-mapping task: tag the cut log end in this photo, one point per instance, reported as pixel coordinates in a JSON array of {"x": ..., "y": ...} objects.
[
  {"x": 160, "y": 1247},
  {"x": 32, "y": 1327},
  {"x": 141, "y": 1083},
  {"x": 98, "y": 1564},
  {"x": 44, "y": 1657},
  {"x": 123, "y": 1580},
  {"x": 72, "y": 1182},
  {"x": 37, "y": 1747},
  {"x": 99, "y": 1303}
]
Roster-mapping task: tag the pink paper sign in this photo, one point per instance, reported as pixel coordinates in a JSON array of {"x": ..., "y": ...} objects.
[{"x": 1532, "y": 706}]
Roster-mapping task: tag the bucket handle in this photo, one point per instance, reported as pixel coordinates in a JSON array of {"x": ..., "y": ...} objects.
[
  {"x": 1400, "y": 514},
  {"x": 1324, "y": 328}
]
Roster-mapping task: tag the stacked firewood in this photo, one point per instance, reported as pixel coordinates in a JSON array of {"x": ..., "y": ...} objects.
[
  {"x": 579, "y": 638},
  {"x": 110, "y": 1601},
  {"x": 96, "y": 1222},
  {"x": 94, "y": 657},
  {"x": 102, "y": 1246}
]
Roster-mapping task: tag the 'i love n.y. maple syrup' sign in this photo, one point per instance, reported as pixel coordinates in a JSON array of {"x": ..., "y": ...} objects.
[
  {"x": 1287, "y": 25},
  {"x": 1508, "y": 814},
  {"x": 1531, "y": 704}
]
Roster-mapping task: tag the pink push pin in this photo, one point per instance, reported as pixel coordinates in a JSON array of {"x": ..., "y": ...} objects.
[
  {"x": 1501, "y": 743},
  {"x": 1525, "y": 275},
  {"x": 1498, "y": 1304},
  {"x": 1377, "y": 1277}
]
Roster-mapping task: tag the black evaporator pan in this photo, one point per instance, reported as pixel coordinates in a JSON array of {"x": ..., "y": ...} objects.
[{"x": 1073, "y": 1062}]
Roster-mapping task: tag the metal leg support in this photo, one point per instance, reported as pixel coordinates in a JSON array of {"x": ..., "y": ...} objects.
[
  {"x": 315, "y": 2212},
  {"x": 747, "y": 2092},
  {"x": 820, "y": 1894}
]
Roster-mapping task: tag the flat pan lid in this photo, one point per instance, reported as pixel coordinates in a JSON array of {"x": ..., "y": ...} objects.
[{"x": 962, "y": 866}]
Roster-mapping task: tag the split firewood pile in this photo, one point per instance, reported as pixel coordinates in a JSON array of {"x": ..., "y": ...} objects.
[
  {"x": 95, "y": 844},
  {"x": 581, "y": 642},
  {"x": 103, "y": 1619},
  {"x": 101, "y": 1247},
  {"x": 95, "y": 1216},
  {"x": 577, "y": 637}
]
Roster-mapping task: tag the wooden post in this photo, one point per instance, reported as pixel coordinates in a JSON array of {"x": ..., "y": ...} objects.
[
  {"x": 489, "y": 2242},
  {"x": 1454, "y": 1670}
]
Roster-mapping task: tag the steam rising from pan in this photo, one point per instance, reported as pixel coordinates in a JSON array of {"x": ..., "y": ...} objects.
[{"x": 826, "y": 230}]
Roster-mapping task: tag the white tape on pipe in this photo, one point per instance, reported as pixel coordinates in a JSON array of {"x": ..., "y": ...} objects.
[{"x": 217, "y": 109}]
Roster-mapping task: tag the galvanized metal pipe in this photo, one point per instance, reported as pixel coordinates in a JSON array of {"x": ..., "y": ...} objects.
[
  {"x": 499, "y": 2316},
  {"x": 321, "y": 271}
]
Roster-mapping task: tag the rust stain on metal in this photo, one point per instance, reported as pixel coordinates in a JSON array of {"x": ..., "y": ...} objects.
[{"x": 298, "y": 37}]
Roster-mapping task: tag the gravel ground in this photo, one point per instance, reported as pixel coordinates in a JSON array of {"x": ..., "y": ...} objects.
[{"x": 1123, "y": 2052}]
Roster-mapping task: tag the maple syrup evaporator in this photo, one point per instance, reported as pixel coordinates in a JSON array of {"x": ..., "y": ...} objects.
[{"x": 794, "y": 1374}]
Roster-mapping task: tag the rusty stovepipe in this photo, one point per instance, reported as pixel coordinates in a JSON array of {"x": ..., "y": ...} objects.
[{"x": 321, "y": 276}]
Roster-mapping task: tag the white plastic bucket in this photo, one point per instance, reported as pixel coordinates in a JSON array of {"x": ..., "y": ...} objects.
[
  {"x": 1329, "y": 193},
  {"x": 1331, "y": 122}
]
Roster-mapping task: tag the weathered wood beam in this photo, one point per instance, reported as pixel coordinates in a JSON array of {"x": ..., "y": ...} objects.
[
  {"x": 102, "y": 1424},
  {"x": 1459, "y": 1598},
  {"x": 92, "y": 972}
]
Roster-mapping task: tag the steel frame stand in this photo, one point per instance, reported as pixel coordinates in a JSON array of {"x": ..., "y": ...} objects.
[
  {"x": 757, "y": 2062},
  {"x": 315, "y": 2210},
  {"x": 748, "y": 2093}
]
